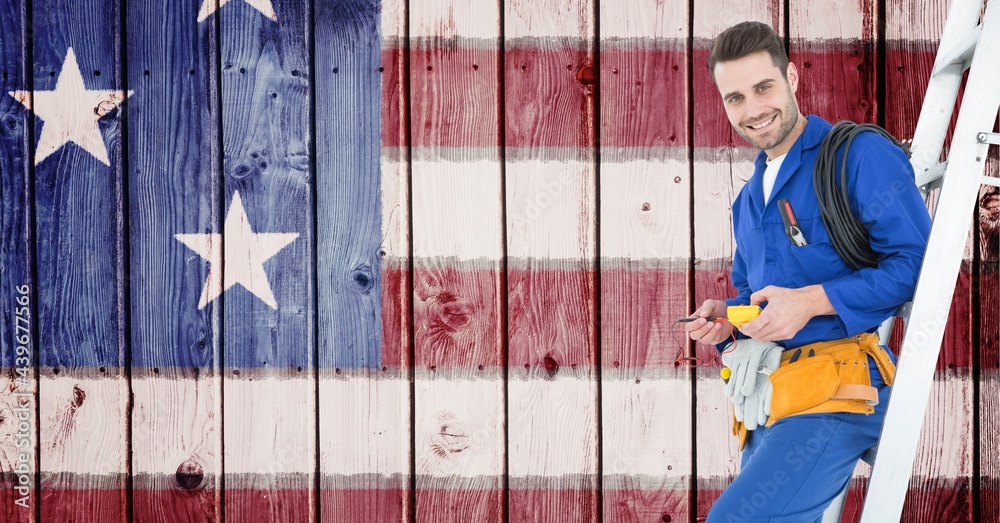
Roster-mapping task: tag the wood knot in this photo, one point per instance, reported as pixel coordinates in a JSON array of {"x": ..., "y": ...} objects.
[
  {"x": 551, "y": 366},
  {"x": 363, "y": 278},
  {"x": 78, "y": 396},
  {"x": 586, "y": 75},
  {"x": 190, "y": 475},
  {"x": 451, "y": 437}
]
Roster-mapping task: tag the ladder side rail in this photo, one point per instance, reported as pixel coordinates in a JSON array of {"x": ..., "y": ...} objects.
[
  {"x": 942, "y": 88},
  {"x": 932, "y": 300}
]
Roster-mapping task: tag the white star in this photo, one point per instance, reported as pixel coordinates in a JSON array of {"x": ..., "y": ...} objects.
[
  {"x": 245, "y": 254},
  {"x": 71, "y": 112},
  {"x": 264, "y": 6}
]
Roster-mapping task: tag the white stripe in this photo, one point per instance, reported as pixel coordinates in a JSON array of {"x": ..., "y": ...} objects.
[
  {"x": 716, "y": 185},
  {"x": 448, "y": 19},
  {"x": 459, "y": 428},
  {"x": 712, "y": 17},
  {"x": 644, "y": 19},
  {"x": 395, "y": 205},
  {"x": 718, "y": 449},
  {"x": 393, "y": 19},
  {"x": 552, "y": 427},
  {"x": 549, "y": 18},
  {"x": 647, "y": 427},
  {"x": 83, "y": 424},
  {"x": 18, "y": 426},
  {"x": 945, "y": 449},
  {"x": 173, "y": 422},
  {"x": 644, "y": 210},
  {"x": 364, "y": 426},
  {"x": 551, "y": 210},
  {"x": 830, "y": 19},
  {"x": 912, "y": 22},
  {"x": 456, "y": 210},
  {"x": 270, "y": 426}
]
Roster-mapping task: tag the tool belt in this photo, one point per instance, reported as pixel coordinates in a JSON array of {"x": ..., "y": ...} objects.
[{"x": 823, "y": 377}]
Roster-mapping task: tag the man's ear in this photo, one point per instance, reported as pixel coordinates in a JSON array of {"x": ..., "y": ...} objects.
[{"x": 792, "y": 73}]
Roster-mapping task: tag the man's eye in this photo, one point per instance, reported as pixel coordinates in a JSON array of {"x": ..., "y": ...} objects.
[
  {"x": 764, "y": 88},
  {"x": 735, "y": 99}
]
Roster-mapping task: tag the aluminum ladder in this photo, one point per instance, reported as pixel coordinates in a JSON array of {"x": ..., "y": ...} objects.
[{"x": 968, "y": 41}]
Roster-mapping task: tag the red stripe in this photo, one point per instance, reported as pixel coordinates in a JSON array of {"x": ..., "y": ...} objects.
[
  {"x": 269, "y": 505},
  {"x": 9, "y": 510},
  {"x": 396, "y": 305},
  {"x": 552, "y": 319},
  {"x": 457, "y": 314},
  {"x": 926, "y": 502},
  {"x": 643, "y": 95},
  {"x": 176, "y": 504},
  {"x": 484, "y": 505},
  {"x": 365, "y": 506},
  {"x": 59, "y": 504},
  {"x": 554, "y": 505},
  {"x": 647, "y": 505}
]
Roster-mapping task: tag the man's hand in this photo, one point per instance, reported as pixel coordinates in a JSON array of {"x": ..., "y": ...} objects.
[
  {"x": 709, "y": 332},
  {"x": 787, "y": 311}
]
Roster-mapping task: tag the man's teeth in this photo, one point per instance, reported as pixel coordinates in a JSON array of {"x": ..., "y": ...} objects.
[{"x": 762, "y": 124}]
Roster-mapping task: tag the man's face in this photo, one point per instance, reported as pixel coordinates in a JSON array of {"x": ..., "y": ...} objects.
[{"x": 759, "y": 101}]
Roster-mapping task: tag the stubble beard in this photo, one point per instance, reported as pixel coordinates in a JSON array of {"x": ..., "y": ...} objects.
[{"x": 790, "y": 116}]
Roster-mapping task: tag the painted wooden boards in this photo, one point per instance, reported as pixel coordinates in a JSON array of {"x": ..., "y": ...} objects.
[
  {"x": 83, "y": 392},
  {"x": 550, "y": 210},
  {"x": 174, "y": 188},
  {"x": 270, "y": 431},
  {"x": 458, "y": 284},
  {"x": 18, "y": 294},
  {"x": 363, "y": 261},
  {"x": 645, "y": 184},
  {"x": 533, "y": 248}
]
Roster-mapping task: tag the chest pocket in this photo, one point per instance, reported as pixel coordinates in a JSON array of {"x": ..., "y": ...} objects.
[{"x": 816, "y": 262}]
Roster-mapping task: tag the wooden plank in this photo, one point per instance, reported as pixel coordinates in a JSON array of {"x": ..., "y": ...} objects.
[
  {"x": 723, "y": 162},
  {"x": 458, "y": 253},
  {"x": 988, "y": 260},
  {"x": 551, "y": 245},
  {"x": 83, "y": 391},
  {"x": 269, "y": 386},
  {"x": 942, "y": 475},
  {"x": 645, "y": 253},
  {"x": 364, "y": 312},
  {"x": 833, "y": 45},
  {"x": 18, "y": 293},
  {"x": 174, "y": 187}
]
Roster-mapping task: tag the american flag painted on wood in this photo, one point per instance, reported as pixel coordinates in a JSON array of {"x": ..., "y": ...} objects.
[{"x": 362, "y": 260}]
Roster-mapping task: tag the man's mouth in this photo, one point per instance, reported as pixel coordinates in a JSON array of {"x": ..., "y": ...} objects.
[{"x": 763, "y": 124}]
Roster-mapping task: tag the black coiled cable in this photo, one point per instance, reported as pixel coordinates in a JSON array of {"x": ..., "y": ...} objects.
[{"x": 848, "y": 235}]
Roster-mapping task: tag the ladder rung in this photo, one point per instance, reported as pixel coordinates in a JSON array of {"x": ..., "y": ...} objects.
[
  {"x": 993, "y": 138},
  {"x": 961, "y": 53},
  {"x": 930, "y": 178},
  {"x": 989, "y": 180}
]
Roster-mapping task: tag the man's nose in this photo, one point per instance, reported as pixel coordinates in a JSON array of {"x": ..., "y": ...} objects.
[{"x": 754, "y": 107}]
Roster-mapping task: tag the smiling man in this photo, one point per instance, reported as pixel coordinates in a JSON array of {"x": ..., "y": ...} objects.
[{"x": 804, "y": 424}]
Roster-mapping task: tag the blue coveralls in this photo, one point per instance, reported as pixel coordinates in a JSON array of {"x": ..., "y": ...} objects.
[{"x": 792, "y": 470}]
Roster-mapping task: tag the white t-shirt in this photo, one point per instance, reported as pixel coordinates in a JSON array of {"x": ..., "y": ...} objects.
[{"x": 771, "y": 174}]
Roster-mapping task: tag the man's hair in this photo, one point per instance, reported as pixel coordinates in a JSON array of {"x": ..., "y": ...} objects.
[{"x": 746, "y": 38}]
